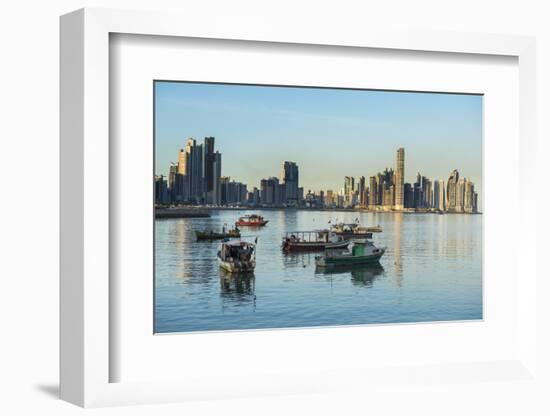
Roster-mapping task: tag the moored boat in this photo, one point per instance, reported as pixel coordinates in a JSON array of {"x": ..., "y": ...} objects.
[
  {"x": 252, "y": 220},
  {"x": 354, "y": 230},
  {"x": 236, "y": 256},
  {"x": 313, "y": 241},
  {"x": 213, "y": 235},
  {"x": 361, "y": 252}
]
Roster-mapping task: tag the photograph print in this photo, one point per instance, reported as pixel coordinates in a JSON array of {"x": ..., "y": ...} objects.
[{"x": 303, "y": 207}]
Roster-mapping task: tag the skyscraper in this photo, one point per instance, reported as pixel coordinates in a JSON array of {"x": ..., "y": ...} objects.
[
  {"x": 209, "y": 175},
  {"x": 290, "y": 178},
  {"x": 193, "y": 168},
  {"x": 216, "y": 179},
  {"x": 452, "y": 197},
  {"x": 400, "y": 180},
  {"x": 469, "y": 196},
  {"x": 460, "y": 194},
  {"x": 349, "y": 189},
  {"x": 361, "y": 190},
  {"x": 439, "y": 195},
  {"x": 270, "y": 192},
  {"x": 373, "y": 192}
]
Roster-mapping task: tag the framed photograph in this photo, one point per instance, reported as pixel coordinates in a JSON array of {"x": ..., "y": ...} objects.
[
  {"x": 273, "y": 213},
  {"x": 291, "y": 237}
]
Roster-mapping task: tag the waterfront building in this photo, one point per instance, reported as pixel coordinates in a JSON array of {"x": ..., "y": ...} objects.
[
  {"x": 190, "y": 164},
  {"x": 373, "y": 192},
  {"x": 270, "y": 192},
  {"x": 349, "y": 189},
  {"x": 386, "y": 186},
  {"x": 255, "y": 196},
  {"x": 224, "y": 181},
  {"x": 427, "y": 193},
  {"x": 452, "y": 197},
  {"x": 233, "y": 193},
  {"x": 460, "y": 194},
  {"x": 400, "y": 180},
  {"x": 469, "y": 196},
  {"x": 313, "y": 200},
  {"x": 408, "y": 195},
  {"x": 172, "y": 172},
  {"x": 439, "y": 195},
  {"x": 216, "y": 183},
  {"x": 361, "y": 191},
  {"x": 211, "y": 170},
  {"x": 388, "y": 196},
  {"x": 289, "y": 177},
  {"x": 161, "y": 190},
  {"x": 331, "y": 199},
  {"x": 417, "y": 190}
]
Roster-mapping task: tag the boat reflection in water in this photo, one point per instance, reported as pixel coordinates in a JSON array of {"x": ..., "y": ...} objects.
[
  {"x": 361, "y": 274},
  {"x": 237, "y": 286}
]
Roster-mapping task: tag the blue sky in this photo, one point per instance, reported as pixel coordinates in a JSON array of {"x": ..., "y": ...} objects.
[{"x": 329, "y": 133}]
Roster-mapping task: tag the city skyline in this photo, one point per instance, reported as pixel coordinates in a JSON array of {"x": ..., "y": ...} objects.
[
  {"x": 197, "y": 180},
  {"x": 365, "y": 144}
]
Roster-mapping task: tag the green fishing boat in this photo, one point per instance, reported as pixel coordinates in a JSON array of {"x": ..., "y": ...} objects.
[
  {"x": 360, "y": 252},
  {"x": 213, "y": 235}
]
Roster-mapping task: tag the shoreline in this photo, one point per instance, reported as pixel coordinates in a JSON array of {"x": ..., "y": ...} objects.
[{"x": 204, "y": 211}]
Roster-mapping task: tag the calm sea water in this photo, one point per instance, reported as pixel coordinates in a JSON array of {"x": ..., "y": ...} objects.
[{"x": 432, "y": 271}]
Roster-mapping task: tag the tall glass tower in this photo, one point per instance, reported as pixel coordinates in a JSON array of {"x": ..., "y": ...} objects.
[{"x": 400, "y": 180}]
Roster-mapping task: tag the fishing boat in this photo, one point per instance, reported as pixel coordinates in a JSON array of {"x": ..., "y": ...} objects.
[
  {"x": 236, "y": 256},
  {"x": 313, "y": 241},
  {"x": 360, "y": 252},
  {"x": 213, "y": 235},
  {"x": 252, "y": 220},
  {"x": 354, "y": 230}
]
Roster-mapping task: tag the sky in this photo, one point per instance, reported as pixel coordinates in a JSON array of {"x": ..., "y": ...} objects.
[{"x": 329, "y": 133}]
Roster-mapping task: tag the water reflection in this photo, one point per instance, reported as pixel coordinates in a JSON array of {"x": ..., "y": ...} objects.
[
  {"x": 398, "y": 258},
  {"x": 237, "y": 287},
  {"x": 433, "y": 260},
  {"x": 361, "y": 275}
]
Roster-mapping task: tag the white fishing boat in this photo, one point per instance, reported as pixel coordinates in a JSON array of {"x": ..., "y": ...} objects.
[{"x": 237, "y": 256}]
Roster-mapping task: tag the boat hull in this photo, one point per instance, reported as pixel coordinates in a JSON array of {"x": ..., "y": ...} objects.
[
  {"x": 314, "y": 246},
  {"x": 251, "y": 224},
  {"x": 334, "y": 261},
  {"x": 237, "y": 267},
  {"x": 353, "y": 235},
  {"x": 215, "y": 236}
]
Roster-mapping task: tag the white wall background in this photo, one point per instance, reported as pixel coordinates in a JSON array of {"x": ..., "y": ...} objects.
[{"x": 29, "y": 206}]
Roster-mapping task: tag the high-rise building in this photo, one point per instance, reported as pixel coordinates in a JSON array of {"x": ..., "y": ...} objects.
[
  {"x": 270, "y": 192},
  {"x": 349, "y": 189},
  {"x": 469, "y": 193},
  {"x": 408, "y": 195},
  {"x": 211, "y": 170},
  {"x": 361, "y": 191},
  {"x": 216, "y": 191},
  {"x": 460, "y": 195},
  {"x": 452, "y": 194},
  {"x": 373, "y": 192},
  {"x": 439, "y": 195},
  {"x": 161, "y": 190},
  {"x": 224, "y": 191},
  {"x": 290, "y": 178},
  {"x": 400, "y": 180},
  {"x": 191, "y": 165},
  {"x": 427, "y": 192}
]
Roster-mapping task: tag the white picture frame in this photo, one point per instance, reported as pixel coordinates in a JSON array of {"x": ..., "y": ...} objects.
[{"x": 86, "y": 355}]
